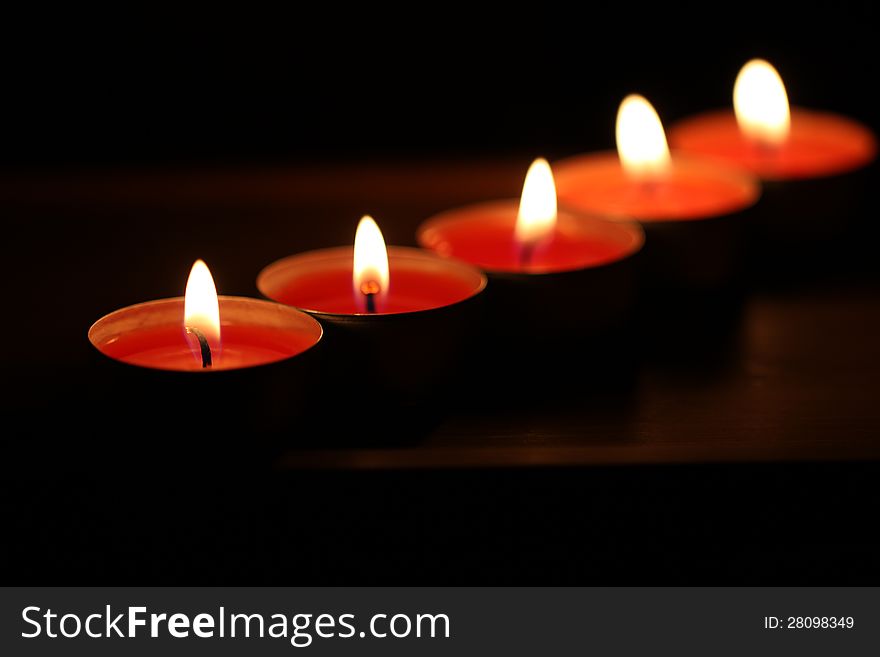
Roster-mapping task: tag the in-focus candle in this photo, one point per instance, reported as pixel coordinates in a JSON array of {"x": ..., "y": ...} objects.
[{"x": 397, "y": 319}]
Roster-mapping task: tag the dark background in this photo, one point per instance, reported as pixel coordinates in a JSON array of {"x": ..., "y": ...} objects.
[
  {"x": 87, "y": 95},
  {"x": 374, "y": 81}
]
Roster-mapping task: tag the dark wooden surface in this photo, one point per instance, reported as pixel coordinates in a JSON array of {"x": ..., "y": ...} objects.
[
  {"x": 798, "y": 380},
  {"x": 742, "y": 448}
]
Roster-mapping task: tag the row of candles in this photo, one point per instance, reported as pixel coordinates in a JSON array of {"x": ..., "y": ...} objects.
[{"x": 592, "y": 216}]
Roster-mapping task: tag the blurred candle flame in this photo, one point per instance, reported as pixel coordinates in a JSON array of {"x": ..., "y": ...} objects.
[
  {"x": 641, "y": 142},
  {"x": 761, "y": 104},
  {"x": 537, "y": 207}
]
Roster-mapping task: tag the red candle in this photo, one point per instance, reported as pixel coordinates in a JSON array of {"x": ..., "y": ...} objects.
[
  {"x": 398, "y": 317},
  {"x": 643, "y": 181},
  {"x": 513, "y": 237},
  {"x": 562, "y": 285},
  {"x": 691, "y": 189},
  {"x": 690, "y": 207},
  {"x": 204, "y": 332},
  {"x": 325, "y": 282},
  {"x": 761, "y": 134},
  {"x": 484, "y": 235},
  {"x": 814, "y": 166}
]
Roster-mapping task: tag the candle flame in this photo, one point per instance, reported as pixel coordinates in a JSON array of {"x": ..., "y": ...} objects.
[
  {"x": 537, "y": 206},
  {"x": 201, "y": 309},
  {"x": 641, "y": 142},
  {"x": 761, "y": 104},
  {"x": 370, "y": 270}
]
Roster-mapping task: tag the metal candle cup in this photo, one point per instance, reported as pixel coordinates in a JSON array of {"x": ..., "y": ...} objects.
[
  {"x": 692, "y": 210},
  {"x": 812, "y": 185},
  {"x": 815, "y": 166},
  {"x": 260, "y": 381},
  {"x": 575, "y": 291},
  {"x": 694, "y": 220},
  {"x": 580, "y": 282},
  {"x": 406, "y": 351}
]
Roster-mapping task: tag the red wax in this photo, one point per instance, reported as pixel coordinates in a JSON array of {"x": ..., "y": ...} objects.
[
  {"x": 693, "y": 189},
  {"x": 253, "y": 332},
  {"x": 484, "y": 234},
  {"x": 819, "y": 144},
  {"x": 321, "y": 282}
]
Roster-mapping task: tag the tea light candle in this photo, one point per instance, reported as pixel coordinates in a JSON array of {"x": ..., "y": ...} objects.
[
  {"x": 551, "y": 272},
  {"x": 397, "y": 317},
  {"x": 233, "y": 367},
  {"x": 763, "y": 135},
  {"x": 529, "y": 236},
  {"x": 812, "y": 163},
  {"x": 202, "y": 332},
  {"x": 335, "y": 283},
  {"x": 691, "y": 208}
]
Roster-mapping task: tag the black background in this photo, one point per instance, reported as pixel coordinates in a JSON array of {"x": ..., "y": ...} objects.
[
  {"x": 430, "y": 79},
  {"x": 98, "y": 90}
]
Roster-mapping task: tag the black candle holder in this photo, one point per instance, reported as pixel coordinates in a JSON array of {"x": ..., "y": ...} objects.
[
  {"x": 799, "y": 222},
  {"x": 225, "y": 417},
  {"x": 378, "y": 362}
]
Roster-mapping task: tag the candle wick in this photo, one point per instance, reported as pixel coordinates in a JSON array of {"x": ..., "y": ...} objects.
[
  {"x": 526, "y": 253},
  {"x": 204, "y": 347},
  {"x": 767, "y": 150},
  {"x": 650, "y": 187},
  {"x": 370, "y": 289}
]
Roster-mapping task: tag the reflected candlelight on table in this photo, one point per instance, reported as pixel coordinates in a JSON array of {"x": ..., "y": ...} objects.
[{"x": 370, "y": 267}]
